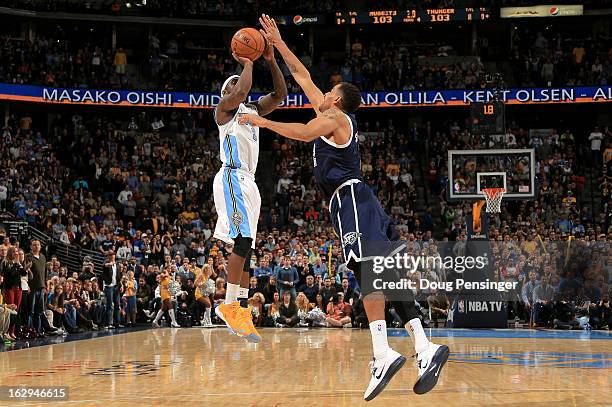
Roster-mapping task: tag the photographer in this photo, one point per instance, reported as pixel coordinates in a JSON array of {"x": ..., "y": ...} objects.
[
  {"x": 601, "y": 316},
  {"x": 87, "y": 269},
  {"x": 143, "y": 295},
  {"x": 564, "y": 312},
  {"x": 543, "y": 295}
]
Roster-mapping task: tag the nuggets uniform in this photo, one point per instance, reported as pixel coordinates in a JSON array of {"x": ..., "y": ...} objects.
[
  {"x": 356, "y": 213},
  {"x": 236, "y": 195}
]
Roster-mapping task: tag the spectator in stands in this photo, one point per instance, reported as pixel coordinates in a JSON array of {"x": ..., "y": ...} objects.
[
  {"x": 111, "y": 278},
  {"x": 543, "y": 295},
  {"x": 12, "y": 269},
  {"x": 319, "y": 268},
  {"x": 8, "y": 312},
  {"x": 596, "y": 138},
  {"x": 338, "y": 312},
  {"x": 347, "y": 291},
  {"x": 288, "y": 312},
  {"x": 263, "y": 273},
  {"x": 36, "y": 265},
  {"x": 309, "y": 289},
  {"x": 327, "y": 292},
  {"x": 439, "y": 306},
  {"x": 287, "y": 277}
]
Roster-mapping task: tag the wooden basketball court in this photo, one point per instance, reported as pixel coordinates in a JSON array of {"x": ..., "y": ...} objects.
[{"x": 323, "y": 367}]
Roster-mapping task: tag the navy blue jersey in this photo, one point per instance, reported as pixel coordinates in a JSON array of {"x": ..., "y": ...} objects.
[{"x": 335, "y": 164}]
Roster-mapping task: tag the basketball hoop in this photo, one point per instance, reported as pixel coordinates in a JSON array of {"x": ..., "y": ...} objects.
[{"x": 493, "y": 197}]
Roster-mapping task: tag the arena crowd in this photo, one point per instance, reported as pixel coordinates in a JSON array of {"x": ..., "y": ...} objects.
[{"x": 141, "y": 195}]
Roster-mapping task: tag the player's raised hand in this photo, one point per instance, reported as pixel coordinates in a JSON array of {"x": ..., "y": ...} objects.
[
  {"x": 270, "y": 29},
  {"x": 241, "y": 60},
  {"x": 252, "y": 119},
  {"x": 268, "y": 53}
]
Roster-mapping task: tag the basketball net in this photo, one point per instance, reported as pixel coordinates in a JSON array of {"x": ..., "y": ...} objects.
[{"x": 493, "y": 196}]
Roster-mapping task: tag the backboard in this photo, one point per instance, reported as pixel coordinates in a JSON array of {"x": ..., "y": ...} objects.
[{"x": 469, "y": 171}]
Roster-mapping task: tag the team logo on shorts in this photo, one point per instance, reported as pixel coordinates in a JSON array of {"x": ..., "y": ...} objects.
[
  {"x": 350, "y": 238},
  {"x": 237, "y": 219}
]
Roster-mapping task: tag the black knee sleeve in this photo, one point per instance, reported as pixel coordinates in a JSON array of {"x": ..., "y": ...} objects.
[
  {"x": 247, "y": 261},
  {"x": 405, "y": 309},
  {"x": 242, "y": 246}
]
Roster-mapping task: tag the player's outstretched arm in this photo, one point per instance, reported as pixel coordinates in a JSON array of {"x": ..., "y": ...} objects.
[
  {"x": 323, "y": 125},
  {"x": 271, "y": 101},
  {"x": 298, "y": 70},
  {"x": 239, "y": 93}
]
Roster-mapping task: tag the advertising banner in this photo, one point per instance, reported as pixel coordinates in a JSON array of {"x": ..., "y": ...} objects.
[{"x": 196, "y": 100}]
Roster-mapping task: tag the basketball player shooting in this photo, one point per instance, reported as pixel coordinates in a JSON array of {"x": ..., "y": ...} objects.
[
  {"x": 356, "y": 213},
  {"x": 236, "y": 195}
]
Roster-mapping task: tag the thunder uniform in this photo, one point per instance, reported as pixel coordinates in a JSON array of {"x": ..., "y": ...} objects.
[
  {"x": 236, "y": 195},
  {"x": 356, "y": 214}
]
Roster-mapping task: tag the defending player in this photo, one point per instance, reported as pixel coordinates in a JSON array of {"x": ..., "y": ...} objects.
[
  {"x": 236, "y": 195},
  {"x": 356, "y": 213}
]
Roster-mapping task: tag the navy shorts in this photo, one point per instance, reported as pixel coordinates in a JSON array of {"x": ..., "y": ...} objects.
[{"x": 362, "y": 224}]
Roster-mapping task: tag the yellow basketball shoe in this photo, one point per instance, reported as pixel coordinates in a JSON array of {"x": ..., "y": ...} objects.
[
  {"x": 238, "y": 320},
  {"x": 248, "y": 331}
]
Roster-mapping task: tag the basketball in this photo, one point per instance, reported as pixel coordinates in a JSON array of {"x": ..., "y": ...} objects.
[{"x": 248, "y": 43}]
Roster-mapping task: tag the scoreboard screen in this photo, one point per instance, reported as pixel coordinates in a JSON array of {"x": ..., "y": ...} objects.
[
  {"x": 435, "y": 15},
  {"x": 488, "y": 118}
]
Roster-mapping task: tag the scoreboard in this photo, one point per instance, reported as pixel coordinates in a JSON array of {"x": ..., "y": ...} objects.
[{"x": 435, "y": 15}]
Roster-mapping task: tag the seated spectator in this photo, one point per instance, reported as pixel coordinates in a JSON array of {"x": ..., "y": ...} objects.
[
  {"x": 543, "y": 295},
  {"x": 338, "y": 312},
  {"x": 253, "y": 288},
  {"x": 438, "y": 306},
  {"x": 287, "y": 312},
  {"x": 8, "y": 314},
  {"x": 270, "y": 290},
  {"x": 327, "y": 292},
  {"x": 347, "y": 291},
  {"x": 310, "y": 290}
]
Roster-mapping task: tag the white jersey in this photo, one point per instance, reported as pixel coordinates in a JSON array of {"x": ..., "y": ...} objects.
[
  {"x": 239, "y": 143},
  {"x": 236, "y": 195}
]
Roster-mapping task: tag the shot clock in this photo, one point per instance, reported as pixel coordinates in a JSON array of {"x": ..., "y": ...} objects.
[{"x": 488, "y": 118}]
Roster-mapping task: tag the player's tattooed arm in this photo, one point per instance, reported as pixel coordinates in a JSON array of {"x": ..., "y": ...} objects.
[{"x": 318, "y": 127}]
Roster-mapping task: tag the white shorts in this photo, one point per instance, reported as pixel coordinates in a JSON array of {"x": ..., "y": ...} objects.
[{"x": 238, "y": 204}]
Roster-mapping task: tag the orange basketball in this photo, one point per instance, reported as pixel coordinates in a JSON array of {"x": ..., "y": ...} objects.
[{"x": 248, "y": 43}]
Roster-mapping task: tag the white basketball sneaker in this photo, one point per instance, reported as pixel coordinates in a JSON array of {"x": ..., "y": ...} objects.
[
  {"x": 430, "y": 363},
  {"x": 383, "y": 370}
]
